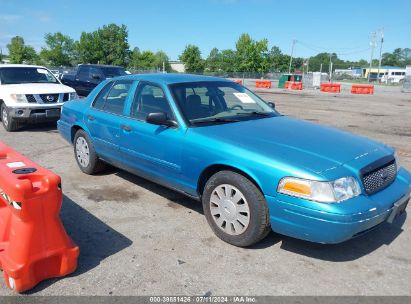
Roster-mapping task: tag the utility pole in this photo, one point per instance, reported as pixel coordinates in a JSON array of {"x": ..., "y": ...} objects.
[
  {"x": 291, "y": 58},
  {"x": 331, "y": 68},
  {"x": 379, "y": 62},
  {"x": 164, "y": 67},
  {"x": 372, "y": 46}
]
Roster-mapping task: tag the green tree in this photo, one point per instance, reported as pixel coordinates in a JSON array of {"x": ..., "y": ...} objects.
[
  {"x": 60, "y": 50},
  {"x": 191, "y": 57},
  {"x": 89, "y": 48},
  {"x": 252, "y": 56},
  {"x": 114, "y": 44},
  {"x": 134, "y": 58},
  {"x": 147, "y": 60},
  {"x": 213, "y": 62},
  {"x": 21, "y": 53},
  {"x": 107, "y": 45},
  {"x": 228, "y": 61},
  {"x": 321, "y": 59},
  {"x": 160, "y": 58},
  {"x": 399, "y": 57}
]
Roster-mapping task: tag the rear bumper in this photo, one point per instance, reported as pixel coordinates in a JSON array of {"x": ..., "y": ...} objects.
[
  {"x": 36, "y": 114},
  {"x": 322, "y": 227}
]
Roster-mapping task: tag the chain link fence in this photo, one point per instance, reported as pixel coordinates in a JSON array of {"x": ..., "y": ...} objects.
[{"x": 406, "y": 88}]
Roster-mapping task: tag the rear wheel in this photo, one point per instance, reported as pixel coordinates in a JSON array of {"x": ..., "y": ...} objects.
[
  {"x": 85, "y": 154},
  {"x": 235, "y": 209},
  {"x": 9, "y": 123}
]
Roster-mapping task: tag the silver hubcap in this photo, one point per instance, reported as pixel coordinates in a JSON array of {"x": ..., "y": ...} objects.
[
  {"x": 4, "y": 117},
  {"x": 82, "y": 152},
  {"x": 229, "y": 209}
]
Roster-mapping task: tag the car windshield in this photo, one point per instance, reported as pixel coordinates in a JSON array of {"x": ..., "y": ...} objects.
[
  {"x": 212, "y": 102},
  {"x": 19, "y": 75},
  {"x": 112, "y": 72}
]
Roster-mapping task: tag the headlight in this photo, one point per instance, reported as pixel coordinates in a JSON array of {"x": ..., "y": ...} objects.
[
  {"x": 324, "y": 192},
  {"x": 73, "y": 96},
  {"x": 21, "y": 98}
]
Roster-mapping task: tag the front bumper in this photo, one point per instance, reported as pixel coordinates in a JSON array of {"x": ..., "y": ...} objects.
[
  {"x": 290, "y": 218},
  {"x": 36, "y": 114}
]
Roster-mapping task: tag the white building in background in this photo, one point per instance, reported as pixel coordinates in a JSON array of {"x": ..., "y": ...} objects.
[
  {"x": 354, "y": 72},
  {"x": 408, "y": 70},
  {"x": 177, "y": 66}
]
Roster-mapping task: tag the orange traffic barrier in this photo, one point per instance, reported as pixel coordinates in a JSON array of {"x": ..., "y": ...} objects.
[
  {"x": 239, "y": 81},
  {"x": 293, "y": 85},
  {"x": 362, "y": 89},
  {"x": 330, "y": 87},
  {"x": 33, "y": 243},
  {"x": 266, "y": 84}
]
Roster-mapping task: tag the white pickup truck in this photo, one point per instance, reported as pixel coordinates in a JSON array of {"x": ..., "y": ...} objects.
[{"x": 30, "y": 94}]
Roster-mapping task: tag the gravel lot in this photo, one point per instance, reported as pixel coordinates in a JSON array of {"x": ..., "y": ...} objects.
[{"x": 137, "y": 238}]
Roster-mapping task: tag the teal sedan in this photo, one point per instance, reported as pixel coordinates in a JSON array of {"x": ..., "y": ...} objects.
[{"x": 254, "y": 169}]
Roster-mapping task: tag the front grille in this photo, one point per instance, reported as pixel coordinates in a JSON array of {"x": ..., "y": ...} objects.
[
  {"x": 66, "y": 97},
  {"x": 379, "y": 176},
  {"x": 30, "y": 98},
  {"x": 49, "y": 98}
]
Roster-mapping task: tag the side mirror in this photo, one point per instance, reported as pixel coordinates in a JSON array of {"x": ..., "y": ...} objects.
[
  {"x": 96, "y": 76},
  {"x": 161, "y": 119},
  {"x": 271, "y": 104}
]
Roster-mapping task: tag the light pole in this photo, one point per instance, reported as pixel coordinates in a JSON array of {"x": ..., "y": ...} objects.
[
  {"x": 372, "y": 45},
  {"x": 379, "y": 62},
  {"x": 291, "y": 58}
]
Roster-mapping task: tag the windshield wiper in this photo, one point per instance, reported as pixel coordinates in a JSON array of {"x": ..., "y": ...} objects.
[
  {"x": 217, "y": 119},
  {"x": 256, "y": 113}
]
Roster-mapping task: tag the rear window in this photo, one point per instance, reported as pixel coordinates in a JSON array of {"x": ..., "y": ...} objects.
[{"x": 111, "y": 72}]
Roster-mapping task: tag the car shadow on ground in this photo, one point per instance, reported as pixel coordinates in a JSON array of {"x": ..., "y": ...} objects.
[
  {"x": 50, "y": 127},
  {"x": 96, "y": 240},
  {"x": 171, "y": 195},
  {"x": 350, "y": 250},
  {"x": 347, "y": 251}
]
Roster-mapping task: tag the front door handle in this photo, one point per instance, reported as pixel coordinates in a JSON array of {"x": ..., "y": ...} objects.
[
  {"x": 90, "y": 117},
  {"x": 126, "y": 128}
]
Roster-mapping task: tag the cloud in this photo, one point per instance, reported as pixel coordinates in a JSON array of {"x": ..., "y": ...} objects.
[
  {"x": 41, "y": 16},
  {"x": 9, "y": 18}
]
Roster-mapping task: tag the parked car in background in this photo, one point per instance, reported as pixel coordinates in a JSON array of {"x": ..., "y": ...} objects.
[
  {"x": 56, "y": 73},
  {"x": 30, "y": 94},
  {"x": 88, "y": 76},
  {"x": 253, "y": 168}
]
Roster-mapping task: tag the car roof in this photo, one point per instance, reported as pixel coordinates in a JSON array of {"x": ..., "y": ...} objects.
[
  {"x": 21, "y": 66},
  {"x": 100, "y": 65},
  {"x": 171, "y": 78}
]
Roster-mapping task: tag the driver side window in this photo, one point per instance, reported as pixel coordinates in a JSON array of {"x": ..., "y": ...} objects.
[{"x": 150, "y": 98}]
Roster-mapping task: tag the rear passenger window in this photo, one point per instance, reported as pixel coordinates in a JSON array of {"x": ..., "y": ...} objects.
[
  {"x": 83, "y": 73},
  {"x": 101, "y": 97},
  {"x": 116, "y": 98}
]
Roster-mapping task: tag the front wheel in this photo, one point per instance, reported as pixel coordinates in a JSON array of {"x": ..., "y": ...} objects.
[
  {"x": 235, "y": 209},
  {"x": 85, "y": 154},
  {"x": 9, "y": 123}
]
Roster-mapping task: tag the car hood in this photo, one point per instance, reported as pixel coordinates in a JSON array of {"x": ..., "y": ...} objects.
[
  {"x": 295, "y": 142},
  {"x": 35, "y": 88}
]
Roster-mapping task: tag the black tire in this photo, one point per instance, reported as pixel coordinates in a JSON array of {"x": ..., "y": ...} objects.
[
  {"x": 258, "y": 226},
  {"x": 10, "y": 124},
  {"x": 94, "y": 164}
]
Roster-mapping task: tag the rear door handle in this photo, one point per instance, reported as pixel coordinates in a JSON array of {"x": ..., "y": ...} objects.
[
  {"x": 126, "y": 128},
  {"x": 90, "y": 117}
]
